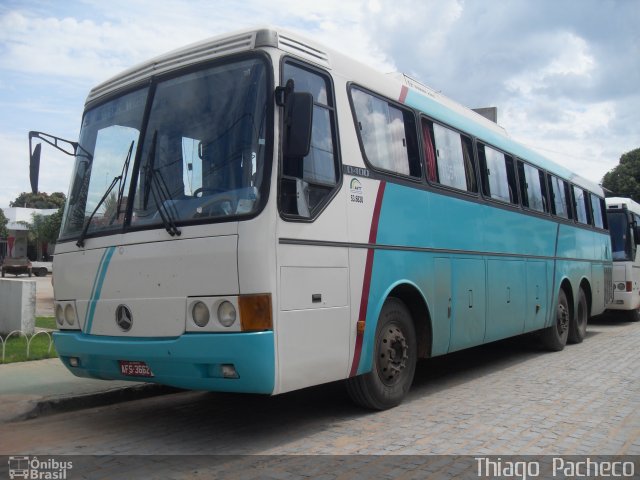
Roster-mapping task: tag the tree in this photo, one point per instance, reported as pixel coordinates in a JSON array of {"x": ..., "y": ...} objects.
[
  {"x": 3, "y": 225},
  {"x": 39, "y": 200},
  {"x": 624, "y": 179},
  {"x": 44, "y": 229}
]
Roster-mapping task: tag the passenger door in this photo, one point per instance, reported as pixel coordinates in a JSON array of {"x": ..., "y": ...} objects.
[{"x": 312, "y": 325}]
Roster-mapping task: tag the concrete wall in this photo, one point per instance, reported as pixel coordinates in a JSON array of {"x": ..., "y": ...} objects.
[{"x": 17, "y": 306}]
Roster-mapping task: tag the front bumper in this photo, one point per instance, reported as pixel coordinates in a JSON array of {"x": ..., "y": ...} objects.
[{"x": 191, "y": 361}]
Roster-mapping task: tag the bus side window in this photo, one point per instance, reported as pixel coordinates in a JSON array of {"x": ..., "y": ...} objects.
[
  {"x": 580, "y": 202},
  {"x": 558, "y": 193},
  {"x": 387, "y": 134},
  {"x": 531, "y": 185},
  {"x": 308, "y": 183},
  {"x": 429, "y": 151},
  {"x": 449, "y": 157},
  {"x": 597, "y": 213},
  {"x": 545, "y": 192},
  {"x": 567, "y": 195},
  {"x": 497, "y": 174}
]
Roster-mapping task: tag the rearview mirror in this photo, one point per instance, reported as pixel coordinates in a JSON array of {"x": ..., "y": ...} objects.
[
  {"x": 34, "y": 167},
  {"x": 298, "y": 119},
  {"x": 298, "y": 122},
  {"x": 65, "y": 146}
]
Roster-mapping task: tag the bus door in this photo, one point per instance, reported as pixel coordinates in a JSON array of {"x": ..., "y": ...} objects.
[{"x": 312, "y": 331}]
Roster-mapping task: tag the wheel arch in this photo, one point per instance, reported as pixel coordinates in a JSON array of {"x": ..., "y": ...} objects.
[
  {"x": 586, "y": 287},
  {"x": 412, "y": 297},
  {"x": 565, "y": 285}
]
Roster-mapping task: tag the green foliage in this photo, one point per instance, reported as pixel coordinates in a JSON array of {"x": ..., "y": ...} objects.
[
  {"x": 624, "y": 179},
  {"x": 44, "y": 228},
  {"x": 16, "y": 349},
  {"x": 3, "y": 225},
  {"x": 41, "y": 346},
  {"x": 39, "y": 200},
  {"x": 46, "y": 322}
]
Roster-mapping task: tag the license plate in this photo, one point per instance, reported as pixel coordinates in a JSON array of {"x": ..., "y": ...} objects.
[{"x": 135, "y": 369}]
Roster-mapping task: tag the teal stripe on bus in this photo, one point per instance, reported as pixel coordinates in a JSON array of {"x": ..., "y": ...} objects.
[{"x": 97, "y": 287}]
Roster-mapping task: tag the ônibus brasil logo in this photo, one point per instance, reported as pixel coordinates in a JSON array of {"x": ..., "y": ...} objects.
[{"x": 33, "y": 468}]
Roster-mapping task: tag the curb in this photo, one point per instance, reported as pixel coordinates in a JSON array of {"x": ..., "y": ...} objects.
[{"x": 50, "y": 406}]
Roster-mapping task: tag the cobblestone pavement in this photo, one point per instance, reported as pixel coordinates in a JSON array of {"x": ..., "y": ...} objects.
[{"x": 505, "y": 398}]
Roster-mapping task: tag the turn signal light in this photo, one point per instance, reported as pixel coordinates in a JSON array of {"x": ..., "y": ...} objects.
[{"x": 255, "y": 312}]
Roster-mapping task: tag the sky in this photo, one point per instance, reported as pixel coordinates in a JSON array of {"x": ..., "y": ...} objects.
[{"x": 564, "y": 74}]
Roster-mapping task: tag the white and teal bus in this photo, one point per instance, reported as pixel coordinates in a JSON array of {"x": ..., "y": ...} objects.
[
  {"x": 624, "y": 227},
  {"x": 258, "y": 213}
]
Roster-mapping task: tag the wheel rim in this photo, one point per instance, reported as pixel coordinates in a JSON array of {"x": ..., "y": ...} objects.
[
  {"x": 393, "y": 353},
  {"x": 562, "y": 323}
]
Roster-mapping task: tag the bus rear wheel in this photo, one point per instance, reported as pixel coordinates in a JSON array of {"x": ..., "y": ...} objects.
[
  {"x": 578, "y": 324},
  {"x": 394, "y": 360},
  {"x": 555, "y": 337}
]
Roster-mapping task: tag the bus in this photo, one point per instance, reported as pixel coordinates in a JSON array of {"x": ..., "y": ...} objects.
[
  {"x": 259, "y": 213},
  {"x": 623, "y": 215}
]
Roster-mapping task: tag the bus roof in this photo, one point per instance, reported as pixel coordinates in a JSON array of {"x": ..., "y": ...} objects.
[
  {"x": 621, "y": 202},
  {"x": 420, "y": 97}
]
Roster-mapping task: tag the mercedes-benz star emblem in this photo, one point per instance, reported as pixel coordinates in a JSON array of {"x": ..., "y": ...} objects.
[{"x": 124, "y": 319}]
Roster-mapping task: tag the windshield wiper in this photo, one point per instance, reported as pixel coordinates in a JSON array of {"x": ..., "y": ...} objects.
[
  {"x": 156, "y": 185},
  {"x": 80, "y": 242},
  {"x": 120, "y": 178},
  {"x": 123, "y": 180}
]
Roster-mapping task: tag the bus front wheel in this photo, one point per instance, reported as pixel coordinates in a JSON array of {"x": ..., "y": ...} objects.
[
  {"x": 394, "y": 360},
  {"x": 578, "y": 324},
  {"x": 554, "y": 337}
]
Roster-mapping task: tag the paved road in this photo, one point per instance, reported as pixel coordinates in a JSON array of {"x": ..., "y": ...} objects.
[{"x": 506, "y": 398}]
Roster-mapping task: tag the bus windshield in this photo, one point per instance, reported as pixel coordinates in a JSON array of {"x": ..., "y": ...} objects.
[
  {"x": 201, "y": 158},
  {"x": 620, "y": 238}
]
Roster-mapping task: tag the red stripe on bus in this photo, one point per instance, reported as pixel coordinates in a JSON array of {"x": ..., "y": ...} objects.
[
  {"x": 403, "y": 93},
  {"x": 366, "y": 284}
]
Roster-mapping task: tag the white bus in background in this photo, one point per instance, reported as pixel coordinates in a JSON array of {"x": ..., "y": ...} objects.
[{"x": 624, "y": 228}]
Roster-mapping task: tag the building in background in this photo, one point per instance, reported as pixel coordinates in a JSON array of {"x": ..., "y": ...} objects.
[{"x": 17, "y": 242}]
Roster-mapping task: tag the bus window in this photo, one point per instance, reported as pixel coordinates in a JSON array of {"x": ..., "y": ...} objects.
[
  {"x": 533, "y": 188},
  {"x": 498, "y": 175},
  {"x": 558, "y": 189},
  {"x": 603, "y": 211},
  {"x": 449, "y": 157},
  {"x": 387, "y": 133},
  {"x": 597, "y": 212},
  {"x": 620, "y": 235},
  {"x": 192, "y": 166},
  {"x": 580, "y": 202},
  {"x": 308, "y": 184}
]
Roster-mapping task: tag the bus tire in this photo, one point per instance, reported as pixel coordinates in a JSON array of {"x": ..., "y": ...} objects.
[
  {"x": 633, "y": 315},
  {"x": 394, "y": 360},
  {"x": 555, "y": 337},
  {"x": 578, "y": 324}
]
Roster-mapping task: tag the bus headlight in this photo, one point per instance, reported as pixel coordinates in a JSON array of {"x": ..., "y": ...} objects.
[
  {"x": 200, "y": 314},
  {"x": 59, "y": 314},
  {"x": 70, "y": 314},
  {"x": 226, "y": 313}
]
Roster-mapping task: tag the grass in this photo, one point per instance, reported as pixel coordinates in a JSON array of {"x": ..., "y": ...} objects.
[
  {"x": 46, "y": 322},
  {"x": 16, "y": 347}
]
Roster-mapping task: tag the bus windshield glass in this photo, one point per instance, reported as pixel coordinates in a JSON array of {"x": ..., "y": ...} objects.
[
  {"x": 620, "y": 237},
  {"x": 201, "y": 159}
]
